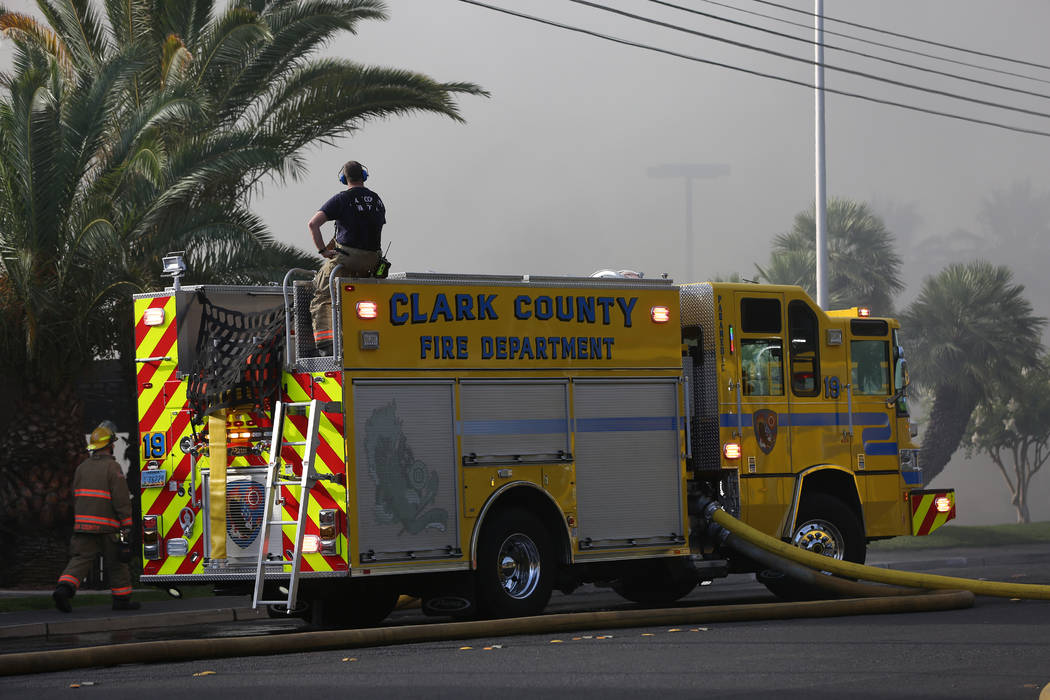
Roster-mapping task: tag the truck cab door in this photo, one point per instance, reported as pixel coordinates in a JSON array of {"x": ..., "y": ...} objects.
[
  {"x": 819, "y": 401},
  {"x": 875, "y": 440},
  {"x": 761, "y": 413}
]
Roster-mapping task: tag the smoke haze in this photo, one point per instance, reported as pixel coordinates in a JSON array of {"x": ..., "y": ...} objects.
[{"x": 549, "y": 175}]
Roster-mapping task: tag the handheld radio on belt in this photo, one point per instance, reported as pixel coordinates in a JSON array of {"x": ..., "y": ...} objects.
[{"x": 383, "y": 267}]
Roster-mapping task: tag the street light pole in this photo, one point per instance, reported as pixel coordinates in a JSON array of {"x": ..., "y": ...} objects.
[
  {"x": 689, "y": 172},
  {"x": 821, "y": 170}
]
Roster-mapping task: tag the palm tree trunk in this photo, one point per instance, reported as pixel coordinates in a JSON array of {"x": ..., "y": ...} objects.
[{"x": 945, "y": 428}]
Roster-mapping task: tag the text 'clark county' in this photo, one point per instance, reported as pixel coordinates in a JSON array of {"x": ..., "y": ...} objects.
[{"x": 406, "y": 308}]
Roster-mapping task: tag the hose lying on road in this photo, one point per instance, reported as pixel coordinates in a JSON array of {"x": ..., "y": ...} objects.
[
  {"x": 810, "y": 577},
  {"x": 192, "y": 649},
  {"x": 819, "y": 562}
]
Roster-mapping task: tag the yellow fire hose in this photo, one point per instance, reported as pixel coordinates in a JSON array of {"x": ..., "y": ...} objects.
[
  {"x": 869, "y": 573},
  {"x": 190, "y": 649}
]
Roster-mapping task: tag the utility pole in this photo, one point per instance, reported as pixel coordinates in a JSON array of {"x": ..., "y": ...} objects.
[
  {"x": 821, "y": 199},
  {"x": 689, "y": 172}
]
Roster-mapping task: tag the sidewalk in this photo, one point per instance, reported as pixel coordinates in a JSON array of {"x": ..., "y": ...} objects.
[{"x": 214, "y": 609}]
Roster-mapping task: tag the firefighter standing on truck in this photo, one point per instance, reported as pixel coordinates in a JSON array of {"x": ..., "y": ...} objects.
[
  {"x": 359, "y": 215},
  {"x": 101, "y": 523}
]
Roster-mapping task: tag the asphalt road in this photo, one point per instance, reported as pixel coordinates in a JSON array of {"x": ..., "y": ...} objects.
[{"x": 998, "y": 649}]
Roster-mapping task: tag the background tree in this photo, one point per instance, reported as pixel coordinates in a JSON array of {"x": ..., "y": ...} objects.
[
  {"x": 970, "y": 330},
  {"x": 864, "y": 268},
  {"x": 1012, "y": 426},
  {"x": 130, "y": 129}
]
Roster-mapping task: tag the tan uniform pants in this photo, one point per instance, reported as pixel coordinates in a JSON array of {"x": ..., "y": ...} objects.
[
  {"x": 84, "y": 547},
  {"x": 355, "y": 263}
]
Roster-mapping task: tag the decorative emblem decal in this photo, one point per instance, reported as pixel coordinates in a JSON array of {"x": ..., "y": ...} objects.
[
  {"x": 765, "y": 429},
  {"x": 405, "y": 486},
  {"x": 244, "y": 511}
]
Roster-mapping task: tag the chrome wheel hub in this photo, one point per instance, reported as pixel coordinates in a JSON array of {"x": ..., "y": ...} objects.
[
  {"x": 519, "y": 566},
  {"x": 820, "y": 537}
]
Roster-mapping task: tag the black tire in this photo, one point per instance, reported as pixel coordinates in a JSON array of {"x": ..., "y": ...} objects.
[
  {"x": 824, "y": 525},
  {"x": 657, "y": 583},
  {"x": 363, "y": 604},
  {"x": 516, "y": 565}
]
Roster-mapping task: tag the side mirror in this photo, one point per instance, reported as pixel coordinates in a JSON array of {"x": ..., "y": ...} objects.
[{"x": 901, "y": 380}]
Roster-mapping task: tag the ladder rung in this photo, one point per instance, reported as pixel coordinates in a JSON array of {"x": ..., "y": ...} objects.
[
  {"x": 283, "y": 522},
  {"x": 296, "y": 403},
  {"x": 274, "y": 602},
  {"x": 287, "y": 483},
  {"x": 278, "y": 562},
  {"x": 293, "y": 444}
]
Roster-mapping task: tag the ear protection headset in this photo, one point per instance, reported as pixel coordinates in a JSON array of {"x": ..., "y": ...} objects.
[{"x": 342, "y": 175}]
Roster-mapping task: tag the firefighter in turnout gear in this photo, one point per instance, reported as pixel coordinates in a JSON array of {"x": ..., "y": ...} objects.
[
  {"x": 359, "y": 215},
  {"x": 101, "y": 523}
]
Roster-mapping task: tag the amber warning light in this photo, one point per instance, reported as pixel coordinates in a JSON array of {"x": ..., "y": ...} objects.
[
  {"x": 731, "y": 450},
  {"x": 367, "y": 309},
  {"x": 943, "y": 504},
  {"x": 660, "y": 314}
]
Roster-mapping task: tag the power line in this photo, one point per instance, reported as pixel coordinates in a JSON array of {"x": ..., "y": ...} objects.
[
  {"x": 853, "y": 37},
  {"x": 907, "y": 36},
  {"x": 810, "y": 42},
  {"x": 739, "y": 69},
  {"x": 797, "y": 59}
]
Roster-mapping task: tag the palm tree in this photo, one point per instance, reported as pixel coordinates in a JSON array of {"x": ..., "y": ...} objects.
[
  {"x": 969, "y": 331},
  {"x": 134, "y": 130},
  {"x": 864, "y": 269}
]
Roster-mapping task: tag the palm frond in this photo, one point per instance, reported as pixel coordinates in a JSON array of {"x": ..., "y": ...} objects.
[
  {"x": 80, "y": 25},
  {"x": 23, "y": 28}
]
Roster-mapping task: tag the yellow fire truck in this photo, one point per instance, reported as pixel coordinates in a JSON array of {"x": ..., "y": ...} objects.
[{"x": 478, "y": 441}]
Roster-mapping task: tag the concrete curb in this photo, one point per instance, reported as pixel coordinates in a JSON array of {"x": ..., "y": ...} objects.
[{"x": 130, "y": 622}]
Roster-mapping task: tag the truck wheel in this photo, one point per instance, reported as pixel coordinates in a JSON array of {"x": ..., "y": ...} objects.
[
  {"x": 657, "y": 583},
  {"x": 825, "y": 525},
  {"x": 365, "y": 604},
  {"x": 516, "y": 569}
]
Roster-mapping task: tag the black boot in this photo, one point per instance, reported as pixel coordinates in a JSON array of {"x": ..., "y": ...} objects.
[
  {"x": 124, "y": 602},
  {"x": 62, "y": 596}
]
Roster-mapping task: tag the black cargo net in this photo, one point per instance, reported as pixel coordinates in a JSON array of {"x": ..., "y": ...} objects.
[{"x": 239, "y": 356}]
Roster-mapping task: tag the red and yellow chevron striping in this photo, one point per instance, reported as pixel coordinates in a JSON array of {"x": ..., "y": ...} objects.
[
  {"x": 930, "y": 510},
  {"x": 164, "y": 421},
  {"x": 162, "y": 416}
]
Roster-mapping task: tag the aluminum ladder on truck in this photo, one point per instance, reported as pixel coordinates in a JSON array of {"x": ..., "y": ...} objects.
[{"x": 276, "y": 477}]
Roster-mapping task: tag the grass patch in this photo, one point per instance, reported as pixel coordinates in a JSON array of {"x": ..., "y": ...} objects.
[{"x": 952, "y": 535}]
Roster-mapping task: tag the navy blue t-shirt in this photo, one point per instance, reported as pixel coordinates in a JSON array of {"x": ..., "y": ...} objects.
[{"x": 359, "y": 215}]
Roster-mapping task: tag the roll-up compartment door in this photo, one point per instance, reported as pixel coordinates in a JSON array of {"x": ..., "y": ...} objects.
[
  {"x": 628, "y": 462},
  {"x": 511, "y": 421},
  {"x": 406, "y": 470}
]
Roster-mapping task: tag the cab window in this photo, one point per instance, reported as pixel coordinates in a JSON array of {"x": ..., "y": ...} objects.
[
  {"x": 870, "y": 367},
  {"x": 804, "y": 358},
  {"x": 762, "y": 366},
  {"x": 761, "y": 315}
]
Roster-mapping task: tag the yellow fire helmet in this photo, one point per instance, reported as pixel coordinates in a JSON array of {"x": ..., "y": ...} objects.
[{"x": 103, "y": 435}]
